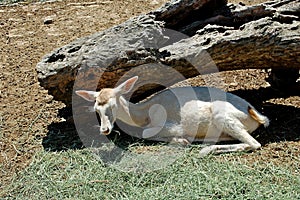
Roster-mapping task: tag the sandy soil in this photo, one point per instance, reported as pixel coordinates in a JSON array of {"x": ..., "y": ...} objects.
[{"x": 30, "y": 119}]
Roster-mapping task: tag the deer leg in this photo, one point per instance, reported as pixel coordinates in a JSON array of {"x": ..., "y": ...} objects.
[
  {"x": 158, "y": 117},
  {"x": 182, "y": 141},
  {"x": 235, "y": 129},
  {"x": 217, "y": 149},
  {"x": 151, "y": 132}
]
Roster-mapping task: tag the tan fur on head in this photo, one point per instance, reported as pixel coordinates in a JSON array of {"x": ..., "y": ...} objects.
[{"x": 104, "y": 96}]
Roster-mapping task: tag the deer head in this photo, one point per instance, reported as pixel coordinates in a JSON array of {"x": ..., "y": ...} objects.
[{"x": 107, "y": 102}]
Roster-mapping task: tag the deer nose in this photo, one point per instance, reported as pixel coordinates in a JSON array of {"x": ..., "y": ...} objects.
[{"x": 105, "y": 131}]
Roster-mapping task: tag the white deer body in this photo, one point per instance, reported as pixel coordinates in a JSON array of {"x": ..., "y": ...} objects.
[{"x": 182, "y": 115}]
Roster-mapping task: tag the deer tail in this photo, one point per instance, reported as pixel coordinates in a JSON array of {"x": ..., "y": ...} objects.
[{"x": 258, "y": 117}]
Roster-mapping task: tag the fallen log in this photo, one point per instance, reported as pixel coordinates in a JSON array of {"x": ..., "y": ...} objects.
[{"x": 182, "y": 36}]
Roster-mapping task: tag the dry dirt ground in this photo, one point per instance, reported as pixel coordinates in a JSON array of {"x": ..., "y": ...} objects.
[{"x": 29, "y": 117}]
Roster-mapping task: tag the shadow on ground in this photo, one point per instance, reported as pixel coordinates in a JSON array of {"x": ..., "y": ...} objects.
[
  {"x": 62, "y": 135},
  {"x": 284, "y": 126}
]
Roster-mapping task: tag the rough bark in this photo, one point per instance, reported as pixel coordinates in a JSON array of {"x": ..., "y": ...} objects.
[{"x": 230, "y": 36}]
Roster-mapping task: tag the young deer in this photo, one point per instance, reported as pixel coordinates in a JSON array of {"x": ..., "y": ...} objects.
[{"x": 181, "y": 115}]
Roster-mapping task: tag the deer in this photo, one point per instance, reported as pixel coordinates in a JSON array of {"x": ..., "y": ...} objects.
[{"x": 201, "y": 114}]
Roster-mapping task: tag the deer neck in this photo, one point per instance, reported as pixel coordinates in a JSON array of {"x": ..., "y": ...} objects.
[{"x": 133, "y": 114}]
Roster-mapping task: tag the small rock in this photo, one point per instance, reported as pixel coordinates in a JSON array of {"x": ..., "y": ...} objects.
[
  {"x": 48, "y": 20},
  {"x": 154, "y": 2}
]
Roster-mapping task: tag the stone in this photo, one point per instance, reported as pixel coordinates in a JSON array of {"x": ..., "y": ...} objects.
[{"x": 49, "y": 20}]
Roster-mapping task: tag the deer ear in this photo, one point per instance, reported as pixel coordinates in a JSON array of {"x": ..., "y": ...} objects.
[
  {"x": 87, "y": 95},
  {"x": 126, "y": 86}
]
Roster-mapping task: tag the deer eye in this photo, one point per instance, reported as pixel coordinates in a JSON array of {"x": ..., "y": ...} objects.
[{"x": 100, "y": 103}]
